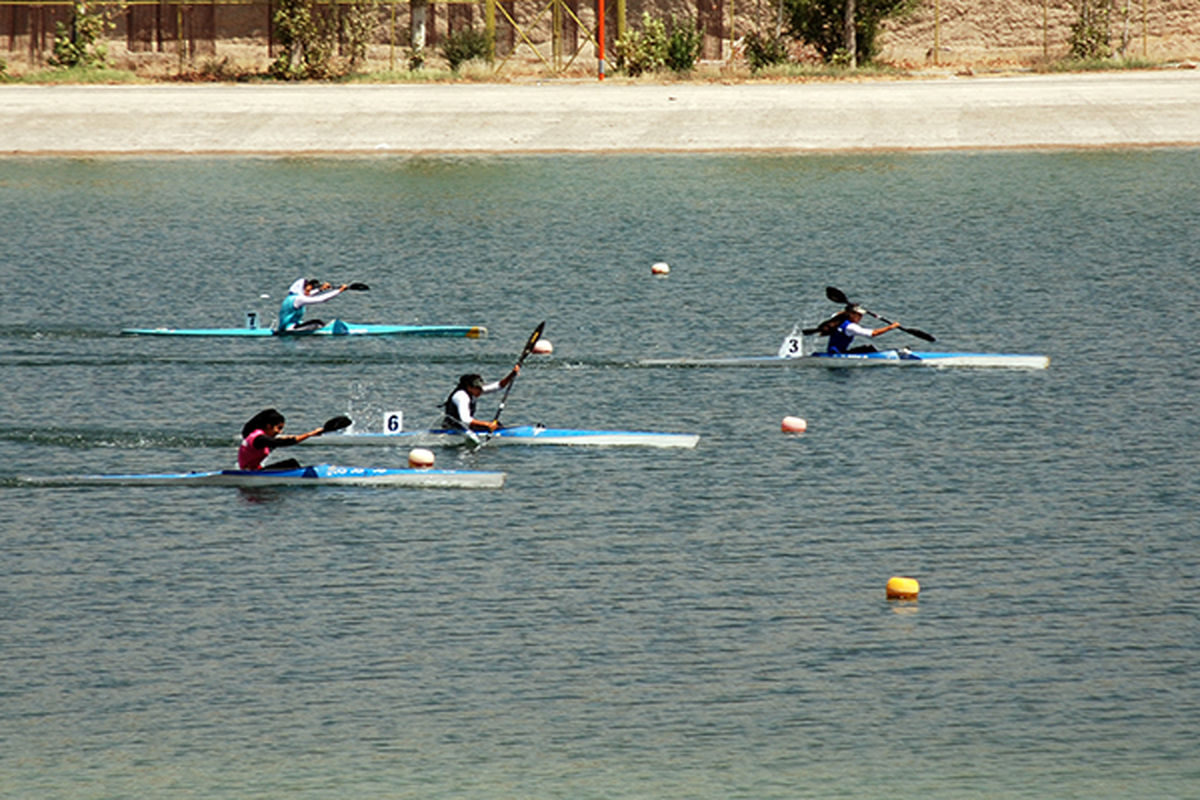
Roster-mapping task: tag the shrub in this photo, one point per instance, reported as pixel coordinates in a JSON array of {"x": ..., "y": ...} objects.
[
  {"x": 820, "y": 23},
  {"x": 81, "y": 44},
  {"x": 683, "y": 46},
  {"x": 1090, "y": 38},
  {"x": 764, "y": 50},
  {"x": 465, "y": 45},
  {"x": 656, "y": 47}
]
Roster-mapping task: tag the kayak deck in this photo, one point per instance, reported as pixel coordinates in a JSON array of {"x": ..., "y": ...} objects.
[
  {"x": 317, "y": 475},
  {"x": 335, "y": 328},
  {"x": 882, "y": 358},
  {"x": 515, "y": 435}
]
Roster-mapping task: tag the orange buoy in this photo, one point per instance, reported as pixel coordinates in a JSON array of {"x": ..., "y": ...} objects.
[
  {"x": 793, "y": 425},
  {"x": 903, "y": 588},
  {"x": 543, "y": 347},
  {"x": 420, "y": 458},
  {"x": 660, "y": 268}
]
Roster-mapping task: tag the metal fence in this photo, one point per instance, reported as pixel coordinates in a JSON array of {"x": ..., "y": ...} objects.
[{"x": 560, "y": 32}]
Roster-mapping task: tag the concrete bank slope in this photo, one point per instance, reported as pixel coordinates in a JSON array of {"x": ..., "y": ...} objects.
[{"x": 1090, "y": 110}]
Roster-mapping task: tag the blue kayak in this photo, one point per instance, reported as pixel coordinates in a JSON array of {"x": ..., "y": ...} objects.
[
  {"x": 335, "y": 328},
  {"x": 317, "y": 475}
]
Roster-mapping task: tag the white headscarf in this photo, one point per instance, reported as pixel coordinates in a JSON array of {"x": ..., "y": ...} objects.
[{"x": 297, "y": 286}]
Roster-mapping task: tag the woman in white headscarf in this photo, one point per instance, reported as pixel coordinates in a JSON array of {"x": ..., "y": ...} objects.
[{"x": 305, "y": 292}]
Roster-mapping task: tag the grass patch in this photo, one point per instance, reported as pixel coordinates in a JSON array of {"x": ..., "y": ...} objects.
[
  {"x": 1101, "y": 65},
  {"x": 77, "y": 75},
  {"x": 829, "y": 72},
  {"x": 403, "y": 76}
]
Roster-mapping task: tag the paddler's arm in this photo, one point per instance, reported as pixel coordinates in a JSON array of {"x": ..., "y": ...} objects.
[
  {"x": 287, "y": 441},
  {"x": 889, "y": 327},
  {"x": 507, "y": 379}
]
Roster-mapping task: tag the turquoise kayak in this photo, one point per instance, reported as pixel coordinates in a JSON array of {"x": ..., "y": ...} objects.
[
  {"x": 518, "y": 434},
  {"x": 882, "y": 358},
  {"x": 335, "y": 328},
  {"x": 318, "y": 475}
]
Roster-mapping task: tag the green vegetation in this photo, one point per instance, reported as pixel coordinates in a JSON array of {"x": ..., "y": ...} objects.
[
  {"x": 1090, "y": 38},
  {"x": 310, "y": 36},
  {"x": 466, "y": 45},
  {"x": 78, "y": 75},
  {"x": 764, "y": 50},
  {"x": 672, "y": 45},
  {"x": 820, "y": 23},
  {"x": 81, "y": 42}
]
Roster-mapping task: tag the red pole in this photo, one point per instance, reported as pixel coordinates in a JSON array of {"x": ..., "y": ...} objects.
[{"x": 600, "y": 34}]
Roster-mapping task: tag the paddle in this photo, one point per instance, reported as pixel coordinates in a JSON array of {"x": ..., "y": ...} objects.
[
  {"x": 838, "y": 296},
  {"x": 533, "y": 337},
  {"x": 358, "y": 287},
  {"x": 336, "y": 424}
]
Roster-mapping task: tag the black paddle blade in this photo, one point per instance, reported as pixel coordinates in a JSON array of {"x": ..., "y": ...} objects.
[
  {"x": 337, "y": 423},
  {"x": 533, "y": 338},
  {"x": 358, "y": 287},
  {"x": 920, "y": 334},
  {"x": 837, "y": 295}
]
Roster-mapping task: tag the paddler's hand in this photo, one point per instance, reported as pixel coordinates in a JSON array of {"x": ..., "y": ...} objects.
[{"x": 493, "y": 425}]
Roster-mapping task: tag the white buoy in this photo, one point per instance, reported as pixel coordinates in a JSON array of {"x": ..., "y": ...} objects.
[
  {"x": 420, "y": 458},
  {"x": 660, "y": 268},
  {"x": 793, "y": 425},
  {"x": 543, "y": 347}
]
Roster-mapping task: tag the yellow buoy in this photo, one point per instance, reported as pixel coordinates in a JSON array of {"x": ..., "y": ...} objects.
[
  {"x": 793, "y": 425},
  {"x": 543, "y": 347},
  {"x": 660, "y": 268},
  {"x": 903, "y": 588},
  {"x": 420, "y": 458}
]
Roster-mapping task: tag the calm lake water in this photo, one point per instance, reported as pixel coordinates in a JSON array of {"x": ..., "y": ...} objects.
[{"x": 624, "y": 623}]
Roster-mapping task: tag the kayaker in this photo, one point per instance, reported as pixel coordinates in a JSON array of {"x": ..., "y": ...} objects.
[
  {"x": 261, "y": 435},
  {"x": 844, "y": 327},
  {"x": 459, "y": 407},
  {"x": 305, "y": 292}
]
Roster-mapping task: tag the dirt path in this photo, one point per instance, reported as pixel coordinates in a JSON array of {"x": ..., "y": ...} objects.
[{"x": 1091, "y": 110}]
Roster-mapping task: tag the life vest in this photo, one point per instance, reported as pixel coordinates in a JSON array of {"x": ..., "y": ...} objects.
[
  {"x": 450, "y": 412},
  {"x": 289, "y": 314},
  {"x": 249, "y": 456},
  {"x": 839, "y": 340}
]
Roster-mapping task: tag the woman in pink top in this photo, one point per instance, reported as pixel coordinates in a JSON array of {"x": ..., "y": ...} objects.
[{"x": 262, "y": 434}]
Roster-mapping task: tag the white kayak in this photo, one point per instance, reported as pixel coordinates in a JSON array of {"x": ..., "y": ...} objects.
[
  {"x": 317, "y": 475},
  {"x": 882, "y": 358},
  {"x": 518, "y": 434}
]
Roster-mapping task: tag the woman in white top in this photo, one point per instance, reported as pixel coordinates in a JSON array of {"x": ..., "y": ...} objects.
[
  {"x": 460, "y": 405},
  {"x": 303, "y": 292},
  {"x": 843, "y": 329}
]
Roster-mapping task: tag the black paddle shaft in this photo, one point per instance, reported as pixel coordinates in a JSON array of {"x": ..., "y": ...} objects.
[
  {"x": 838, "y": 296},
  {"x": 533, "y": 338}
]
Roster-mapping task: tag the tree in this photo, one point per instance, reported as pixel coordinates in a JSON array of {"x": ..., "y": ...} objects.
[
  {"x": 1090, "y": 36},
  {"x": 824, "y": 25},
  {"x": 82, "y": 43}
]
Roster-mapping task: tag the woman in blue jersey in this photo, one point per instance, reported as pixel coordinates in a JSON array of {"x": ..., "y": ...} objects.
[
  {"x": 460, "y": 405},
  {"x": 844, "y": 328},
  {"x": 305, "y": 292}
]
